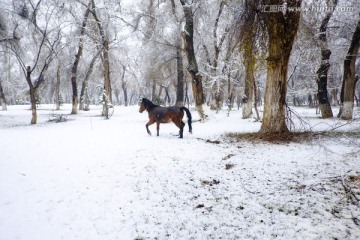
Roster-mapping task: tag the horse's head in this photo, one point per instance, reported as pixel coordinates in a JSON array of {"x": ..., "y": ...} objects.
[{"x": 142, "y": 106}]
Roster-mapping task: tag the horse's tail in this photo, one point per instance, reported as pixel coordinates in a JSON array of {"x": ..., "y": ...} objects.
[{"x": 188, "y": 114}]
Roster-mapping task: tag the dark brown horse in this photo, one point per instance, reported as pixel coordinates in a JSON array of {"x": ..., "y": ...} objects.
[{"x": 158, "y": 114}]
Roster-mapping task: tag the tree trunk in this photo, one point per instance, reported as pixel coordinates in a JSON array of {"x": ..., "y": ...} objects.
[
  {"x": 75, "y": 99},
  {"x": 217, "y": 90},
  {"x": 32, "y": 95},
  {"x": 192, "y": 68},
  {"x": 282, "y": 29},
  {"x": 179, "y": 63},
  {"x": 2, "y": 98},
  {"x": 153, "y": 90},
  {"x": 180, "y": 78},
  {"x": 348, "y": 89},
  {"x": 106, "y": 57},
  {"x": 324, "y": 104},
  {"x": 124, "y": 87},
  {"x": 249, "y": 83},
  {"x": 107, "y": 81},
  {"x": 82, "y": 94},
  {"x": 167, "y": 96},
  {"x": 86, "y": 81},
  {"x": 247, "y": 46},
  {"x": 57, "y": 89},
  {"x": 256, "y": 102}
]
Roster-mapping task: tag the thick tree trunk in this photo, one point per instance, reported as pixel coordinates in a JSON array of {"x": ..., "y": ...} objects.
[
  {"x": 32, "y": 95},
  {"x": 282, "y": 29},
  {"x": 57, "y": 89},
  {"x": 192, "y": 68},
  {"x": 2, "y": 98},
  {"x": 274, "y": 102},
  {"x": 348, "y": 89},
  {"x": 75, "y": 98},
  {"x": 324, "y": 104}
]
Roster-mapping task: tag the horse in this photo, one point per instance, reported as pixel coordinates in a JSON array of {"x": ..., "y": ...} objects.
[{"x": 161, "y": 114}]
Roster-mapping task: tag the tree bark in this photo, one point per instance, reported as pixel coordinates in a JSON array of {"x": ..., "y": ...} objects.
[
  {"x": 107, "y": 80},
  {"x": 2, "y": 98},
  {"x": 124, "y": 87},
  {"x": 32, "y": 95},
  {"x": 192, "y": 68},
  {"x": 256, "y": 101},
  {"x": 324, "y": 104},
  {"x": 281, "y": 29},
  {"x": 249, "y": 61},
  {"x": 348, "y": 87},
  {"x": 75, "y": 98},
  {"x": 180, "y": 78}
]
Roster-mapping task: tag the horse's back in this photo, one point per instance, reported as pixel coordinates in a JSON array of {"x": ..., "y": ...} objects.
[{"x": 167, "y": 114}]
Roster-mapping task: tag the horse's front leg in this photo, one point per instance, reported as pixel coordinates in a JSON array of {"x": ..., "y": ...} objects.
[
  {"x": 157, "y": 128},
  {"x": 147, "y": 126}
]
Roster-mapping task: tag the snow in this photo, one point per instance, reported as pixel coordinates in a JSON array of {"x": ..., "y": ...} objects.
[{"x": 91, "y": 178}]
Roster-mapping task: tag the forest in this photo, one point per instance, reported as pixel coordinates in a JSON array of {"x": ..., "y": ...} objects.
[{"x": 205, "y": 53}]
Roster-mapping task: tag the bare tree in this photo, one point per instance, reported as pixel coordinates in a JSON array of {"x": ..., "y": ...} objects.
[
  {"x": 281, "y": 30},
  {"x": 322, "y": 72},
  {"x": 348, "y": 87},
  {"x": 74, "y": 68},
  {"x": 85, "y": 83},
  {"x": 247, "y": 32},
  {"x": 192, "y": 68},
  {"x": 217, "y": 89},
  {"x": 47, "y": 42},
  {"x": 106, "y": 49},
  {"x": 179, "y": 63}
]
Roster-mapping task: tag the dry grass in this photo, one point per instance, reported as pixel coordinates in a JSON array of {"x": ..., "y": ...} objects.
[{"x": 289, "y": 136}]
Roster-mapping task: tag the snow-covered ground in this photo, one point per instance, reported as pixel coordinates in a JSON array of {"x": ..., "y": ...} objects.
[{"x": 90, "y": 178}]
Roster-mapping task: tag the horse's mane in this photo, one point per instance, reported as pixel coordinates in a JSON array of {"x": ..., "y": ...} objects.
[{"x": 149, "y": 105}]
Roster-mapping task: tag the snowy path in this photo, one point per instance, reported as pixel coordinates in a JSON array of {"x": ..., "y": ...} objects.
[{"x": 90, "y": 178}]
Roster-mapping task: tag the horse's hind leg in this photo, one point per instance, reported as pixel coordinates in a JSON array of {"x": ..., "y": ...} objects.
[
  {"x": 157, "y": 128},
  {"x": 181, "y": 126}
]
